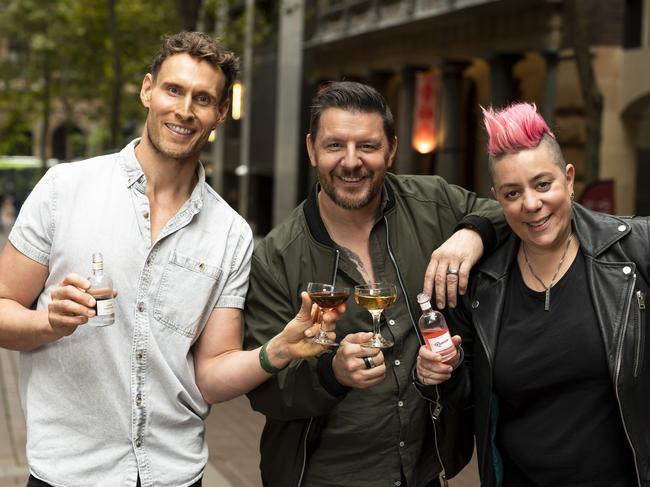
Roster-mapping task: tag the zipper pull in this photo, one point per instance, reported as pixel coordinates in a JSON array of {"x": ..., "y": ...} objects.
[
  {"x": 437, "y": 409},
  {"x": 640, "y": 297}
]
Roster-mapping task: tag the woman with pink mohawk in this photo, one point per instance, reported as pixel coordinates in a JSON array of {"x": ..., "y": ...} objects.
[{"x": 554, "y": 327}]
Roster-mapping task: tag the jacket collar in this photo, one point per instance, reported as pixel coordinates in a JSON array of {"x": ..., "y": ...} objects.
[
  {"x": 315, "y": 222},
  {"x": 596, "y": 233}
]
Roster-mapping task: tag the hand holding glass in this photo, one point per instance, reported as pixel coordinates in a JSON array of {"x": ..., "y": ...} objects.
[
  {"x": 376, "y": 297},
  {"x": 327, "y": 297}
]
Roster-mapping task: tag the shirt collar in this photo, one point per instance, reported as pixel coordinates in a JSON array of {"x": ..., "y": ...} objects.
[
  {"x": 135, "y": 175},
  {"x": 315, "y": 222}
]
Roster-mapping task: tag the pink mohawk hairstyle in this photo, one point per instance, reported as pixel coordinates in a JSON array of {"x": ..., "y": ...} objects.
[{"x": 513, "y": 129}]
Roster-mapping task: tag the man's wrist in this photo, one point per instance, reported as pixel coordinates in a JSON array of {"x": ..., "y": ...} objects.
[
  {"x": 327, "y": 377},
  {"x": 459, "y": 358},
  {"x": 271, "y": 357}
]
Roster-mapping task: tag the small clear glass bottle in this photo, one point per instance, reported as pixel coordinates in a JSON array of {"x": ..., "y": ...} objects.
[
  {"x": 101, "y": 288},
  {"x": 433, "y": 327}
]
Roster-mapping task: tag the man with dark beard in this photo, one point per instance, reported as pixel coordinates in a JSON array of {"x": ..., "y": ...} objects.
[
  {"x": 353, "y": 416},
  {"x": 124, "y": 405}
]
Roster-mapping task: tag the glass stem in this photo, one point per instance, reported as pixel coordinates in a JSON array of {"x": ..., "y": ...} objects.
[
  {"x": 376, "y": 321},
  {"x": 321, "y": 331}
]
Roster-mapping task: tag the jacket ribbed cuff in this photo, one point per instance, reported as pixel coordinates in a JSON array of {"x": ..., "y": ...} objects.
[{"x": 326, "y": 375}]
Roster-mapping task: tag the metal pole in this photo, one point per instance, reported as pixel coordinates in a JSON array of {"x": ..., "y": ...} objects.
[
  {"x": 247, "y": 81},
  {"x": 219, "y": 144},
  {"x": 288, "y": 140}
]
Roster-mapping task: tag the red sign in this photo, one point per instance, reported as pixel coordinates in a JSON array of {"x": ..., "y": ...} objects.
[
  {"x": 424, "y": 116},
  {"x": 599, "y": 196}
]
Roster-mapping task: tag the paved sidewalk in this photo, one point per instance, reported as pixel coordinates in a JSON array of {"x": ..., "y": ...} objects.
[
  {"x": 233, "y": 432},
  {"x": 12, "y": 424}
]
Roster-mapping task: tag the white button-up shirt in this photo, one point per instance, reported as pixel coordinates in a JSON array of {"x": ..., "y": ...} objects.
[{"x": 105, "y": 405}]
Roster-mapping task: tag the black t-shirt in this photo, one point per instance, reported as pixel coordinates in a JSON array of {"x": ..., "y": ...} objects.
[{"x": 558, "y": 416}]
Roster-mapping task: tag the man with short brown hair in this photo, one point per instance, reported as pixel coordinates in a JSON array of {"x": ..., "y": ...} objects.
[
  {"x": 124, "y": 405},
  {"x": 352, "y": 416}
]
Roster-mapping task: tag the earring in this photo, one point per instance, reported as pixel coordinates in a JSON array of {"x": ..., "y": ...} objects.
[{"x": 572, "y": 196}]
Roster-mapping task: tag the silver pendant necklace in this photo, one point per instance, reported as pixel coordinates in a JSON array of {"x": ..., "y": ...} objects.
[{"x": 547, "y": 297}]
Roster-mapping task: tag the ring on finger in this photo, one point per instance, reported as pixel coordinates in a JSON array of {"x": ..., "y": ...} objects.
[
  {"x": 369, "y": 362},
  {"x": 451, "y": 271}
]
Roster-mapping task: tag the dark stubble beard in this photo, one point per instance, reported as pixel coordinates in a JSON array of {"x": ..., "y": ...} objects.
[{"x": 348, "y": 204}]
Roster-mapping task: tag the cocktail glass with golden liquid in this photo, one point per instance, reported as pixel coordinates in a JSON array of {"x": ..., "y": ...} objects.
[
  {"x": 376, "y": 297},
  {"x": 327, "y": 297}
]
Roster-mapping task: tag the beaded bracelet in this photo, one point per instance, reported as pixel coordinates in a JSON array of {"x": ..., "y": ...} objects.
[{"x": 265, "y": 363}]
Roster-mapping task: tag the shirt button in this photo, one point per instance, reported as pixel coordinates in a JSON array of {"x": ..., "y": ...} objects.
[
  {"x": 138, "y": 442},
  {"x": 401, "y": 444},
  {"x": 145, "y": 214},
  {"x": 139, "y": 355},
  {"x": 627, "y": 269},
  {"x": 391, "y": 322},
  {"x": 138, "y": 399},
  {"x": 140, "y": 306},
  {"x": 397, "y": 363},
  {"x": 398, "y": 483},
  {"x": 622, "y": 228},
  {"x": 400, "y": 403},
  {"x": 475, "y": 304}
]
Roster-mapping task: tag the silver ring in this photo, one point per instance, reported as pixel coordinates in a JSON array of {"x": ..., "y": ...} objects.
[
  {"x": 453, "y": 272},
  {"x": 370, "y": 363}
]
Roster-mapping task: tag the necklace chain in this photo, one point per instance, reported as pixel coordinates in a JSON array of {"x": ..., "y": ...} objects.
[{"x": 547, "y": 298}]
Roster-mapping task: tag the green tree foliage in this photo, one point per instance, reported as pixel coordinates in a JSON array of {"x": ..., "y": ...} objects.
[
  {"x": 86, "y": 59},
  {"x": 60, "y": 54}
]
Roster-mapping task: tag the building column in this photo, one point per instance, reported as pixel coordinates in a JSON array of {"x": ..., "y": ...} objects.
[
  {"x": 378, "y": 80},
  {"x": 502, "y": 92},
  {"x": 449, "y": 163},
  {"x": 406, "y": 157},
  {"x": 218, "y": 154},
  {"x": 288, "y": 142},
  {"x": 502, "y": 88},
  {"x": 550, "y": 86}
]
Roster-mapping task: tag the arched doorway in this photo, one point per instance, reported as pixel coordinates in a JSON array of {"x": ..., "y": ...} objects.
[{"x": 68, "y": 142}]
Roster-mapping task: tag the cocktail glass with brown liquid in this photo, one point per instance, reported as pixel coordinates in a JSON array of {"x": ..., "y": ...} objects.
[{"x": 327, "y": 297}]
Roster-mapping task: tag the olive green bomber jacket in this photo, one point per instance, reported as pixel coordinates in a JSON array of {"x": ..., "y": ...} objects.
[{"x": 421, "y": 213}]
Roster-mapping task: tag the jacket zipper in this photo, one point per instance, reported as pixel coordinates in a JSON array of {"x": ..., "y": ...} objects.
[
  {"x": 438, "y": 407},
  {"x": 304, "y": 453},
  {"x": 619, "y": 359},
  {"x": 640, "y": 336}
]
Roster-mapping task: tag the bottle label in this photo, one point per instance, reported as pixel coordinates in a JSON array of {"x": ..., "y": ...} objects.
[
  {"x": 105, "y": 307},
  {"x": 438, "y": 341}
]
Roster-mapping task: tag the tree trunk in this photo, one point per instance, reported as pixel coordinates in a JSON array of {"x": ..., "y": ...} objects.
[
  {"x": 45, "y": 127},
  {"x": 116, "y": 97},
  {"x": 188, "y": 12},
  {"x": 576, "y": 18}
]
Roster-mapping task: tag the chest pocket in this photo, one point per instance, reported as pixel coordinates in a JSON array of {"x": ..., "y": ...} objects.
[{"x": 187, "y": 290}]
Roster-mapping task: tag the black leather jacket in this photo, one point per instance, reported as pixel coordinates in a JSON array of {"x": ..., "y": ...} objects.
[{"x": 617, "y": 257}]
